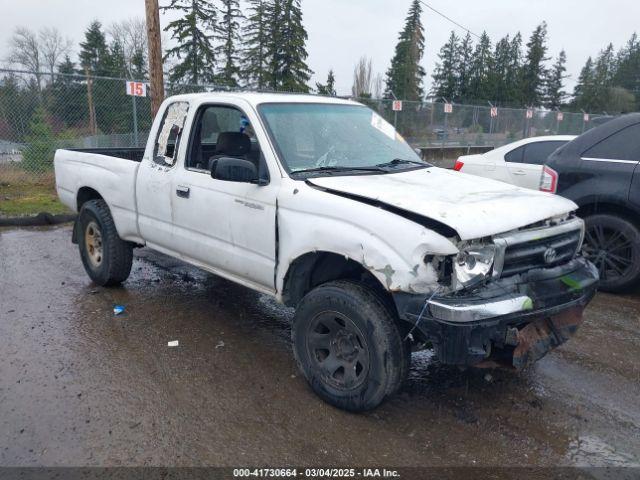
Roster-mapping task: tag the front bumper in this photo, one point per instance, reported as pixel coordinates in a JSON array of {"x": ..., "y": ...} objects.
[{"x": 513, "y": 321}]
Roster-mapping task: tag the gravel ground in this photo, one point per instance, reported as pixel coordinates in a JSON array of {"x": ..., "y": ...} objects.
[{"x": 79, "y": 386}]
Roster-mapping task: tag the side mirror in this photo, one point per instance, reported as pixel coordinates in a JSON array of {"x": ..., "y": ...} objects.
[
  {"x": 418, "y": 152},
  {"x": 234, "y": 170}
]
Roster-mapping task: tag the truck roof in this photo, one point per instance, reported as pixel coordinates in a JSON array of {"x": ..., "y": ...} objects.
[{"x": 257, "y": 98}]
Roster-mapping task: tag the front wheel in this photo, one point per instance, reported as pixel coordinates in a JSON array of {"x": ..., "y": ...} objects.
[
  {"x": 613, "y": 245},
  {"x": 349, "y": 346},
  {"x": 107, "y": 258}
]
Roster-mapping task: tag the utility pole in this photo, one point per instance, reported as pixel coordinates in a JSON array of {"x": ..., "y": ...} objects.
[
  {"x": 155, "y": 55},
  {"x": 93, "y": 124}
]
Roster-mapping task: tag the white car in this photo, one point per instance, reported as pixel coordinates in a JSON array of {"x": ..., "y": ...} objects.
[
  {"x": 319, "y": 203},
  {"x": 518, "y": 163}
]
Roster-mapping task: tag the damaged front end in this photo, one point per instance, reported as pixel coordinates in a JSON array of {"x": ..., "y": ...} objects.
[{"x": 509, "y": 302}]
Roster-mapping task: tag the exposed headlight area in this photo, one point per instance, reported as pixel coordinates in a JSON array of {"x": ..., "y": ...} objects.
[{"x": 472, "y": 265}]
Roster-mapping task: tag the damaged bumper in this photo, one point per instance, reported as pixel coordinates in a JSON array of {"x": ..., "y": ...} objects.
[{"x": 512, "y": 321}]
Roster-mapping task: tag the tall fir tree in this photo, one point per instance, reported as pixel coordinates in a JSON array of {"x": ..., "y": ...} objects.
[
  {"x": 328, "y": 88},
  {"x": 465, "y": 64},
  {"x": 497, "y": 77},
  {"x": 555, "y": 95},
  {"x": 479, "y": 88},
  {"x": 533, "y": 70},
  {"x": 255, "y": 69},
  {"x": 229, "y": 38},
  {"x": 405, "y": 76},
  {"x": 514, "y": 71},
  {"x": 287, "y": 47},
  {"x": 627, "y": 73},
  {"x": 94, "y": 52},
  {"x": 583, "y": 92},
  {"x": 194, "y": 32},
  {"x": 604, "y": 69},
  {"x": 68, "y": 96},
  {"x": 445, "y": 76}
]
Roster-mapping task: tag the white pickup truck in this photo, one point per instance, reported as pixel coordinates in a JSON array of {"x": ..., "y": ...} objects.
[{"x": 321, "y": 204}]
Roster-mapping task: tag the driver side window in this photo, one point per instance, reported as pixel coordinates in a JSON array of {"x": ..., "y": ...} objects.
[{"x": 221, "y": 131}]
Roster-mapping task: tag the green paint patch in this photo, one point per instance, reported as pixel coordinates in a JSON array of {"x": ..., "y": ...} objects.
[
  {"x": 572, "y": 283},
  {"x": 17, "y": 200},
  {"x": 527, "y": 304}
]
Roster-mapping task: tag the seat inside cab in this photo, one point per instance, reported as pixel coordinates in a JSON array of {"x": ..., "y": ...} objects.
[{"x": 222, "y": 131}]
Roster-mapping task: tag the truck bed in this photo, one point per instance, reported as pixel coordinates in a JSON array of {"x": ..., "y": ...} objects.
[
  {"x": 134, "y": 154},
  {"x": 104, "y": 173}
]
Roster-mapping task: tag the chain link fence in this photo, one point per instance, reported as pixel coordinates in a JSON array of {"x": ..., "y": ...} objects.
[
  {"x": 435, "y": 124},
  {"x": 40, "y": 112}
]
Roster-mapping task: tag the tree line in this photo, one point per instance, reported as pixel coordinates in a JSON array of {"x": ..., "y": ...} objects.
[
  {"x": 262, "y": 45},
  {"x": 516, "y": 75}
]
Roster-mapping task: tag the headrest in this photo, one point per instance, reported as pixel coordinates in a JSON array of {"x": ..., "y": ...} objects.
[{"x": 234, "y": 144}]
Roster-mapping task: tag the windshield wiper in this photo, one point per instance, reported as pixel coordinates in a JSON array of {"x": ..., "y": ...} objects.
[
  {"x": 402, "y": 161},
  {"x": 335, "y": 168}
]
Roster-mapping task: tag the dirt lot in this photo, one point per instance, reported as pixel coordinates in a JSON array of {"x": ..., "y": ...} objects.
[{"x": 79, "y": 386}]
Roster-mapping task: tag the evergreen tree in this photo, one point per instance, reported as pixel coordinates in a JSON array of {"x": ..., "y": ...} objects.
[
  {"x": 554, "y": 83},
  {"x": 38, "y": 154},
  {"x": 229, "y": 38},
  {"x": 68, "y": 96},
  {"x": 256, "y": 35},
  {"x": 328, "y": 88},
  {"x": 445, "y": 77},
  {"x": 584, "y": 90},
  {"x": 194, "y": 32},
  {"x": 627, "y": 73},
  {"x": 604, "y": 70},
  {"x": 479, "y": 88},
  {"x": 465, "y": 65},
  {"x": 287, "y": 51},
  {"x": 533, "y": 70},
  {"x": 405, "y": 76},
  {"x": 138, "y": 64},
  {"x": 113, "y": 108},
  {"x": 497, "y": 79},
  {"x": 514, "y": 71},
  {"x": 115, "y": 61},
  {"x": 21, "y": 102},
  {"x": 94, "y": 52}
]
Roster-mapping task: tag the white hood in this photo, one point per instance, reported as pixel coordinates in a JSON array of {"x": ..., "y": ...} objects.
[{"x": 473, "y": 206}]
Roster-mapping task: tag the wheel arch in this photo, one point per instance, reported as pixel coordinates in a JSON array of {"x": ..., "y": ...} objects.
[
  {"x": 312, "y": 269},
  {"x": 85, "y": 194},
  {"x": 611, "y": 208}
]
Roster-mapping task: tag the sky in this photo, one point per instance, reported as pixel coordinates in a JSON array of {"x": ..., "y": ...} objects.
[{"x": 341, "y": 31}]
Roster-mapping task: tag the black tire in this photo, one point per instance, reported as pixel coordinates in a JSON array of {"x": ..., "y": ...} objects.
[
  {"x": 612, "y": 243},
  {"x": 349, "y": 346},
  {"x": 107, "y": 258}
]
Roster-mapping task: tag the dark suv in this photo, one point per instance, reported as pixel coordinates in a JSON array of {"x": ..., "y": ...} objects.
[{"x": 599, "y": 171}]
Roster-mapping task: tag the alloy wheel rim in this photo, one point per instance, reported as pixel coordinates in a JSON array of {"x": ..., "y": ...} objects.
[
  {"x": 610, "y": 250},
  {"x": 93, "y": 243},
  {"x": 338, "y": 350}
]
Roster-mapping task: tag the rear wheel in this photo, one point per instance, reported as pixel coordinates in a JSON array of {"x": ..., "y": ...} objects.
[
  {"x": 348, "y": 346},
  {"x": 106, "y": 257},
  {"x": 613, "y": 244}
]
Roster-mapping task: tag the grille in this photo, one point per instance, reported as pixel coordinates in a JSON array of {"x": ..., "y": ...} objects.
[{"x": 525, "y": 256}]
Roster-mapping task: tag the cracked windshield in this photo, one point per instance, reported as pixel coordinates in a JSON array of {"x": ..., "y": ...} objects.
[{"x": 335, "y": 137}]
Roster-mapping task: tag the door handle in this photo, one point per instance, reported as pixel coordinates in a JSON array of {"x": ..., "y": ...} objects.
[
  {"x": 182, "y": 191},
  {"x": 519, "y": 172}
]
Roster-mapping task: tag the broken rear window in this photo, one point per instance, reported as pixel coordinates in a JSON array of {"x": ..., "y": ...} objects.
[{"x": 169, "y": 133}]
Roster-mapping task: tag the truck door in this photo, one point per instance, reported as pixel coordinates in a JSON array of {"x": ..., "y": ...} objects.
[
  {"x": 154, "y": 186},
  {"x": 224, "y": 225}
]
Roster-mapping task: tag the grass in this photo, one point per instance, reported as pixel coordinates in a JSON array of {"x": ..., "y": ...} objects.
[{"x": 22, "y": 195}]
